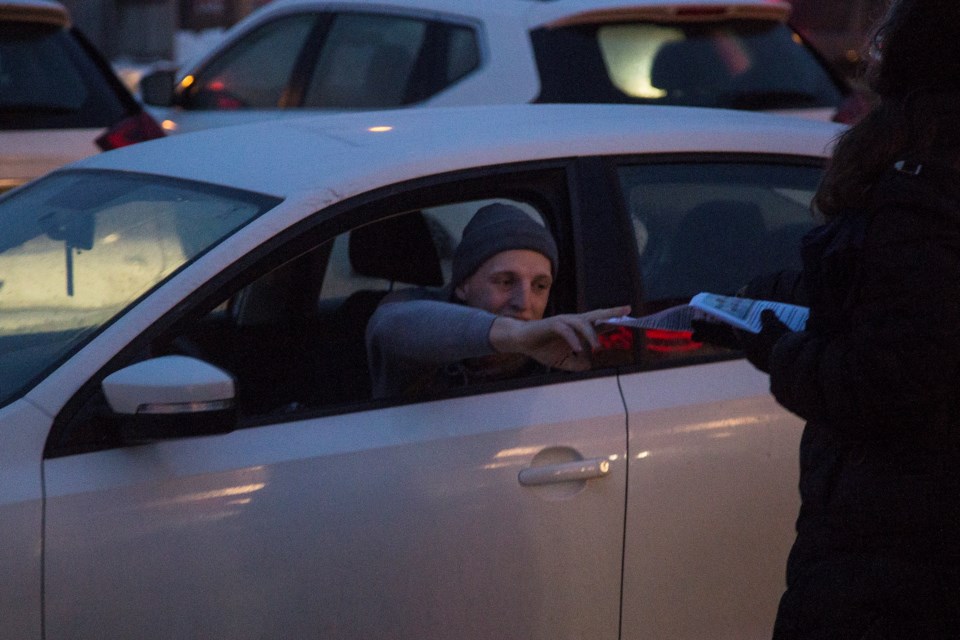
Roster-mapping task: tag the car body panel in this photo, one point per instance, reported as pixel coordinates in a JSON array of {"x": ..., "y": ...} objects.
[
  {"x": 729, "y": 455},
  {"x": 23, "y": 432},
  {"x": 387, "y": 501},
  {"x": 357, "y": 148},
  {"x": 25, "y": 155}
]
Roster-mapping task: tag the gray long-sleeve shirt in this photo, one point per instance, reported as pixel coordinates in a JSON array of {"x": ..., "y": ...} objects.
[{"x": 416, "y": 332}]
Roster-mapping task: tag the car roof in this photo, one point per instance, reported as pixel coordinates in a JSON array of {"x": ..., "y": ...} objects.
[
  {"x": 536, "y": 13},
  {"x": 43, "y": 11},
  {"x": 341, "y": 155}
]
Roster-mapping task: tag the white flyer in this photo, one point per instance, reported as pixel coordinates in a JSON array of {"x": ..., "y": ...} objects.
[{"x": 741, "y": 313}]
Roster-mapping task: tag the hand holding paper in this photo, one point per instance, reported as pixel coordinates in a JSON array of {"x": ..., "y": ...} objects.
[{"x": 740, "y": 313}]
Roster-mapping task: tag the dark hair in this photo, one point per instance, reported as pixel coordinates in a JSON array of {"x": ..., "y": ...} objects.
[{"x": 917, "y": 115}]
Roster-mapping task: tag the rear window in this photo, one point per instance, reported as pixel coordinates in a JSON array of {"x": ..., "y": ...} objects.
[
  {"x": 47, "y": 81},
  {"x": 741, "y": 64}
]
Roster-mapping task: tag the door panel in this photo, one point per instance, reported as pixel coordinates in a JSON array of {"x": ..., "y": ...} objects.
[
  {"x": 713, "y": 458},
  {"x": 712, "y": 501},
  {"x": 404, "y": 522},
  {"x": 23, "y": 428}
]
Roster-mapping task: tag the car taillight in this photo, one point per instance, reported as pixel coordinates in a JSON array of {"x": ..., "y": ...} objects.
[{"x": 138, "y": 128}]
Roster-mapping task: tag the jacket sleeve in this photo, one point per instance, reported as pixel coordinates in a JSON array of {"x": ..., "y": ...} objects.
[
  {"x": 408, "y": 339},
  {"x": 897, "y": 358}
]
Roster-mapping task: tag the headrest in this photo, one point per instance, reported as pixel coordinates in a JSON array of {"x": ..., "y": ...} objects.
[
  {"x": 399, "y": 249},
  {"x": 725, "y": 217}
]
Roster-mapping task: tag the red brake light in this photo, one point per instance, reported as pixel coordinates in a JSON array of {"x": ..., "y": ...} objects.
[
  {"x": 138, "y": 128},
  {"x": 619, "y": 339},
  {"x": 663, "y": 341}
]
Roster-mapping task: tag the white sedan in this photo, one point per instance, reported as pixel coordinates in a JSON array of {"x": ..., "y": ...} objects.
[{"x": 189, "y": 448}]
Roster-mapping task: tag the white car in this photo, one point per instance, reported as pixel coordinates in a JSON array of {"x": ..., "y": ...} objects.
[
  {"x": 189, "y": 447},
  {"x": 59, "y": 100},
  {"x": 335, "y": 55}
]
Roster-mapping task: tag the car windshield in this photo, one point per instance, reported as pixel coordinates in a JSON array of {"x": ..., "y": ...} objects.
[
  {"x": 739, "y": 64},
  {"x": 80, "y": 247}
]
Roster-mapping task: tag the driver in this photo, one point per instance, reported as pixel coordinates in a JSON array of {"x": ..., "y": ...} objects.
[{"x": 488, "y": 322}]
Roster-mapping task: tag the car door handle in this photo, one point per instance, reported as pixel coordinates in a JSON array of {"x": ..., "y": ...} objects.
[{"x": 576, "y": 471}]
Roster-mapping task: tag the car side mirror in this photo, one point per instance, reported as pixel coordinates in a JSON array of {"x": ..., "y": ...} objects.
[
  {"x": 156, "y": 87},
  {"x": 171, "y": 397}
]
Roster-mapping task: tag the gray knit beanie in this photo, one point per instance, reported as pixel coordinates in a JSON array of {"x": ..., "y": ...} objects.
[{"x": 496, "y": 228}]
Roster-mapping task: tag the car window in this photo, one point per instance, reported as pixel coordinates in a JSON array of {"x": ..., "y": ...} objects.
[
  {"x": 48, "y": 82},
  {"x": 73, "y": 259},
  {"x": 370, "y": 61},
  {"x": 712, "y": 227},
  {"x": 257, "y": 70},
  {"x": 745, "y": 64},
  {"x": 294, "y": 337}
]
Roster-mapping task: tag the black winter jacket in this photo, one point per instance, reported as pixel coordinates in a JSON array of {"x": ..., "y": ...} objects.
[{"x": 876, "y": 374}]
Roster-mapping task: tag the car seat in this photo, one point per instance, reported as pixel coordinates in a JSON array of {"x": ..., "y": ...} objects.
[
  {"x": 399, "y": 250},
  {"x": 690, "y": 71},
  {"x": 717, "y": 247}
]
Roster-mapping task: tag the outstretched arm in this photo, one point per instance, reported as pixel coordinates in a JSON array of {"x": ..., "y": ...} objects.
[{"x": 562, "y": 342}]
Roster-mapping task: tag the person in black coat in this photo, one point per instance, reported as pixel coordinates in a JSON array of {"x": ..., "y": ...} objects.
[{"x": 876, "y": 372}]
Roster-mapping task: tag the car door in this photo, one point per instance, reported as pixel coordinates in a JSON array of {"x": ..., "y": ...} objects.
[
  {"x": 494, "y": 511},
  {"x": 713, "y": 458}
]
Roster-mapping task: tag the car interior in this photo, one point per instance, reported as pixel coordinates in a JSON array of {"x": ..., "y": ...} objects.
[{"x": 287, "y": 348}]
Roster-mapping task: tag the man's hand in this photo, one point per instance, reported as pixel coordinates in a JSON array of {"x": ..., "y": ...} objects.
[{"x": 562, "y": 342}]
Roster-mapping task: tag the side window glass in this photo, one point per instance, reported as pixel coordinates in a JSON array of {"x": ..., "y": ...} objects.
[
  {"x": 294, "y": 338},
  {"x": 463, "y": 53},
  {"x": 256, "y": 72},
  {"x": 366, "y": 61},
  {"x": 712, "y": 227}
]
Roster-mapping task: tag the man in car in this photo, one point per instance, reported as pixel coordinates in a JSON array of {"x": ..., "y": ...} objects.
[{"x": 488, "y": 322}]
